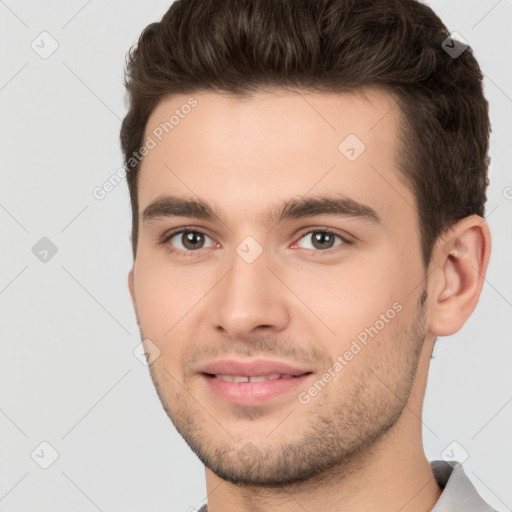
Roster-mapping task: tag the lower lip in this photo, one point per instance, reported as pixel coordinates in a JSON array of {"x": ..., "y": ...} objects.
[{"x": 252, "y": 393}]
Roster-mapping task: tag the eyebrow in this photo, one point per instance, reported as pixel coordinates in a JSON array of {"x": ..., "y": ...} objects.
[{"x": 176, "y": 206}]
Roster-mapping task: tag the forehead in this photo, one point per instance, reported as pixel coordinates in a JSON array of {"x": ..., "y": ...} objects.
[{"x": 274, "y": 145}]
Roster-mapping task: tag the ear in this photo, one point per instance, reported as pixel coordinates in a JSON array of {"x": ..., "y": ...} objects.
[
  {"x": 131, "y": 286},
  {"x": 461, "y": 257}
]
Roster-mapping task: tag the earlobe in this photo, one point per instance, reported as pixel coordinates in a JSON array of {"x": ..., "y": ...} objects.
[{"x": 461, "y": 258}]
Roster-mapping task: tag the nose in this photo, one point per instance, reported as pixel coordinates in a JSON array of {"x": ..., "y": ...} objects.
[{"x": 250, "y": 298}]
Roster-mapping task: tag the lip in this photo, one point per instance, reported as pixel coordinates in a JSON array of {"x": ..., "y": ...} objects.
[
  {"x": 252, "y": 368},
  {"x": 252, "y": 393}
]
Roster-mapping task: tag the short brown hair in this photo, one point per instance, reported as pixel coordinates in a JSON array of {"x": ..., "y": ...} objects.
[{"x": 243, "y": 46}]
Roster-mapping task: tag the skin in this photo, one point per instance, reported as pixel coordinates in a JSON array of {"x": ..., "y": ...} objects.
[{"x": 357, "y": 445}]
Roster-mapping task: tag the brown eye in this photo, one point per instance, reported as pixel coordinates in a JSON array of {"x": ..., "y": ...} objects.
[
  {"x": 192, "y": 239},
  {"x": 322, "y": 239},
  {"x": 186, "y": 241}
]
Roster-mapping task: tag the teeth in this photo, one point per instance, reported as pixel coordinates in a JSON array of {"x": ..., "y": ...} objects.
[
  {"x": 263, "y": 378},
  {"x": 233, "y": 378},
  {"x": 244, "y": 378}
]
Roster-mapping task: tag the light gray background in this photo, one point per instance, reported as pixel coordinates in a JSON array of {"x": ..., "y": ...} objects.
[{"x": 68, "y": 373}]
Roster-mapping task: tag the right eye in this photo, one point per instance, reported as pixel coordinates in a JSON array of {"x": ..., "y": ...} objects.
[{"x": 189, "y": 240}]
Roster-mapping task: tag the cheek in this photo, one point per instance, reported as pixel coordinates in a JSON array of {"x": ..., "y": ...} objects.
[
  {"x": 351, "y": 296},
  {"x": 164, "y": 293},
  {"x": 168, "y": 303},
  {"x": 159, "y": 302}
]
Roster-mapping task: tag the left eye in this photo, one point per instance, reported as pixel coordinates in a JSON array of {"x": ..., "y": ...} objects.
[{"x": 323, "y": 239}]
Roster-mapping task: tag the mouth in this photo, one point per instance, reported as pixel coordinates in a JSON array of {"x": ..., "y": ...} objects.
[
  {"x": 252, "y": 382},
  {"x": 255, "y": 378}
]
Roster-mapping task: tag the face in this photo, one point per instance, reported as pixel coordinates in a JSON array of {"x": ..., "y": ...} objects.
[{"x": 278, "y": 278}]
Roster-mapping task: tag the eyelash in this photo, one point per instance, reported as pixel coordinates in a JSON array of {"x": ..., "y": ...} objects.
[{"x": 190, "y": 254}]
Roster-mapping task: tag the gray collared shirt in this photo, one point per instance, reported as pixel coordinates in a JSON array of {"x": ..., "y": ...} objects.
[{"x": 459, "y": 494}]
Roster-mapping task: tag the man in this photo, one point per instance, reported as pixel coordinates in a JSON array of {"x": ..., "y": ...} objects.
[{"x": 308, "y": 181}]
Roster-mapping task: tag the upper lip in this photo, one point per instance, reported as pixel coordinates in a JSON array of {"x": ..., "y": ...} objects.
[{"x": 252, "y": 368}]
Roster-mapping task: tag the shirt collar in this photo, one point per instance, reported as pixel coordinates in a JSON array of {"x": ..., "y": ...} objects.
[{"x": 458, "y": 491}]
